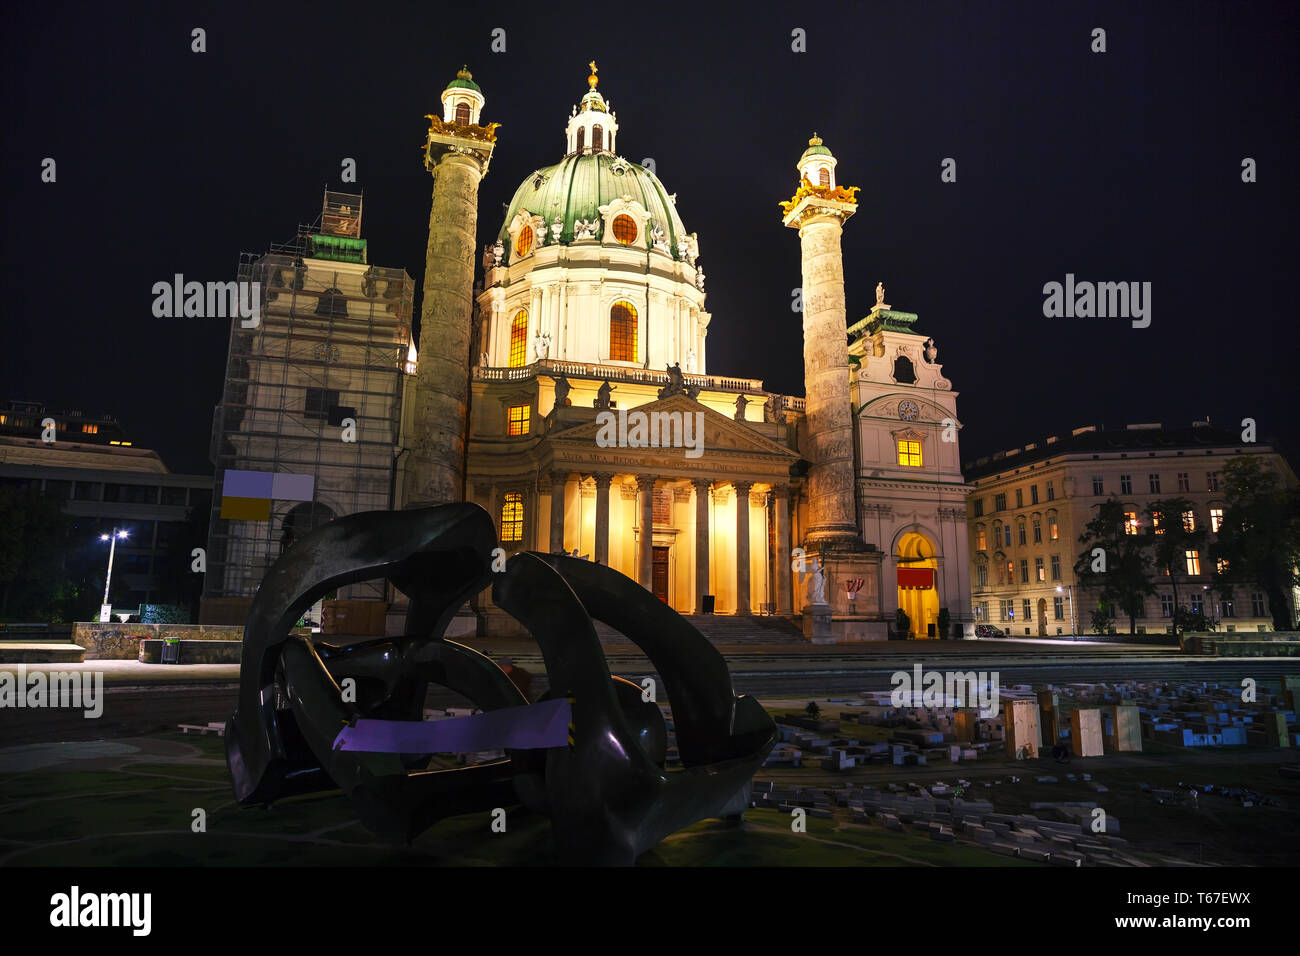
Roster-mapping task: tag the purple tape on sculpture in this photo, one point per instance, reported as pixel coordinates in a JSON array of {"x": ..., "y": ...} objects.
[{"x": 531, "y": 727}]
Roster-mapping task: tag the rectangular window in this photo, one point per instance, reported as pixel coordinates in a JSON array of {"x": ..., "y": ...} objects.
[
  {"x": 1154, "y": 481},
  {"x": 984, "y": 610},
  {"x": 1006, "y": 610},
  {"x": 1156, "y": 519},
  {"x": 1033, "y": 494},
  {"x": 1029, "y": 614},
  {"x": 1220, "y": 566},
  {"x": 1058, "y": 608},
  {"x": 1257, "y": 605},
  {"x": 977, "y": 508},
  {"x": 1193, "y": 562},
  {"x": 1053, "y": 530},
  {"x": 1130, "y": 522},
  {"x": 1020, "y": 533},
  {"x": 1216, "y": 519},
  {"x": 1184, "y": 482},
  {"x": 172, "y": 495},
  {"x": 1038, "y": 531},
  {"x": 1098, "y": 485},
  {"x": 1166, "y": 605},
  {"x": 1039, "y": 571},
  {"x": 1051, "y": 492},
  {"x": 982, "y": 575},
  {"x": 1020, "y": 497},
  {"x": 909, "y": 453},
  {"x": 90, "y": 429},
  {"x": 1228, "y": 608},
  {"x": 981, "y": 542},
  {"x": 1189, "y": 520},
  {"x": 1011, "y": 574},
  {"x": 1024, "y": 570},
  {"x": 1198, "y": 602},
  {"x": 318, "y": 402},
  {"x": 512, "y": 516},
  {"x": 517, "y": 420},
  {"x": 1212, "y": 480},
  {"x": 1056, "y": 567},
  {"x": 1008, "y": 536},
  {"x": 1000, "y": 501},
  {"x": 1126, "y": 484}
]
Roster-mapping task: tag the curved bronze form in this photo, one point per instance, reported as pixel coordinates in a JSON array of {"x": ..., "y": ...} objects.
[{"x": 608, "y": 794}]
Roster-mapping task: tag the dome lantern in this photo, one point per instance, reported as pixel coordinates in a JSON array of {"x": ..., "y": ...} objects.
[
  {"x": 462, "y": 100},
  {"x": 592, "y": 127},
  {"x": 817, "y": 164}
]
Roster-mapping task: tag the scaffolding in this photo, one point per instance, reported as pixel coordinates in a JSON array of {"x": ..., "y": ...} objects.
[{"x": 329, "y": 352}]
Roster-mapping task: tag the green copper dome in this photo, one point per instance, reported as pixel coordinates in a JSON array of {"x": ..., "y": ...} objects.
[
  {"x": 464, "y": 80},
  {"x": 815, "y": 148},
  {"x": 578, "y": 185}
]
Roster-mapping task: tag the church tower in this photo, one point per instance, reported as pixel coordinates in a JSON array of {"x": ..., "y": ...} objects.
[
  {"x": 832, "y": 538},
  {"x": 456, "y": 151}
]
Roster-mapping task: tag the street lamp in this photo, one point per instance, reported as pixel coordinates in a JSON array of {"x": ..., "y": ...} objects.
[
  {"x": 106, "y": 609},
  {"x": 1069, "y": 591}
]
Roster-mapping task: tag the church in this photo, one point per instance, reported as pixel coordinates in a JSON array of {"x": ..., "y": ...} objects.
[
  {"x": 836, "y": 508},
  {"x": 564, "y": 384}
]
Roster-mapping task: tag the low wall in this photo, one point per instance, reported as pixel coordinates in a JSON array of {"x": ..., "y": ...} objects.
[
  {"x": 121, "y": 642},
  {"x": 193, "y": 651}
]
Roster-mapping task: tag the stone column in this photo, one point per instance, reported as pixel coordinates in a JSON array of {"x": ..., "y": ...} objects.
[
  {"x": 742, "y": 545},
  {"x": 436, "y": 474},
  {"x": 702, "y": 493},
  {"x": 559, "y": 479},
  {"x": 645, "y": 543},
  {"x": 603, "y": 480},
  {"x": 832, "y": 518},
  {"x": 782, "y": 559}
]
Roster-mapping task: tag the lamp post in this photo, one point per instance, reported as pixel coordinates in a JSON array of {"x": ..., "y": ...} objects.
[
  {"x": 1069, "y": 592},
  {"x": 104, "y": 613}
]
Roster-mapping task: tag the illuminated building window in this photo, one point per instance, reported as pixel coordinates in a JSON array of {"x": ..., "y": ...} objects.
[
  {"x": 517, "y": 419},
  {"x": 909, "y": 453},
  {"x": 1011, "y": 573},
  {"x": 1216, "y": 519},
  {"x": 597, "y": 138},
  {"x": 1221, "y": 566},
  {"x": 981, "y": 539},
  {"x": 524, "y": 241},
  {"x": 1130, "y": 522},
  {"x": 1039, "y": 571},
  {"x": 90, "y": 429},
  {"x": 824, "y": 177},
  {"x": 512, "y": 517},
  {"x": 1193, "y": 562},
  {"x": 625, "y": 229},
  {"x": 622, "y": 327},
  {"x": 1189, "y": 520},
  {"x": 519, "y": 338},
  {"x": 462, "y": 114},
  {"x": 4, "y": 419},
  {"x": 1156, "y": 518},
  {"x": 1053, "y": 530}
]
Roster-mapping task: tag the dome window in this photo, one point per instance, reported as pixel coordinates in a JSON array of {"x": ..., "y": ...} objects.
[
  {"x": 462, "y": 114},
  {"x": 625, "y": 229},
  {"x": 582, "y": 139},
  {"x": 597, "y": 138},
  {"x": 824, "y": 178},
  {"x": 622, "y": 332},
  {"x": 524, "y": 241},
  {"x": 519, "y": 339}
]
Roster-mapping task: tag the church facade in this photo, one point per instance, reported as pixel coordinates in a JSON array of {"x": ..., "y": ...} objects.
[{"x": 586, "y": 419}]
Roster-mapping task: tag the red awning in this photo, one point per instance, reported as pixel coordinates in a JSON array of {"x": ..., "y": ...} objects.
[{"x": 919, "y": 578}]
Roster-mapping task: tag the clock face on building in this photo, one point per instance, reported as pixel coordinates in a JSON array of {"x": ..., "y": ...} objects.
[{"x": 908, "y": 411}]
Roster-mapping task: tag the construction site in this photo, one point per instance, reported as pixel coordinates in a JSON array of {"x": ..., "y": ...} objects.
[{"x": 307, "y": 427}]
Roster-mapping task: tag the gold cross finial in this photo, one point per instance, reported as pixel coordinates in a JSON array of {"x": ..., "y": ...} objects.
[{"x": 592, "y": 80}]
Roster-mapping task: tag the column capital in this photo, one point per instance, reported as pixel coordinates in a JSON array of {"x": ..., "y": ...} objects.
[
  {"x": 742, "y": 487},
  {"x": 781, "y": 491},
  {"x": 702, "y": 484},
  {"x": 602, "y": 478},
  {"x": 646, "y": 482}
]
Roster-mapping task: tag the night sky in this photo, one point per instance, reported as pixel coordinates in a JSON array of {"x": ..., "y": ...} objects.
[{"x": 1119, "y": 166}]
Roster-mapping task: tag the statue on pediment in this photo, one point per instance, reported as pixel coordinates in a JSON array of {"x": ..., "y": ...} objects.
[
  {"x": 603, "y": 395},
  {"x": 676, "y": 383},
  {"x": 562, "y": 389}
]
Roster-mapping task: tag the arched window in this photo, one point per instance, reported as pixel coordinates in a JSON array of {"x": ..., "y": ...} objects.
[
  {"x": 524, "y": 241},
  {"x": 462, "y": 114},
  {"x": 597, "y": 138},
  {"x": 625, "y": 229},
  {"x": 904, "y": 373},
  {"x": 622, "y": 332},
  {"x": 582, "y": 138},
  {"x": 512, "y": 516},
  {"x": 519, "y": 339},
  {"x": 332, "y": 302},
  {"x": 824, "y": 177}
]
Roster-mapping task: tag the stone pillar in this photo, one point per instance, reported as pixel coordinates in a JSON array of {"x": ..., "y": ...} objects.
[
  {"x": 603, "y": 480},
  {"x": 436, "y": 473},
  {"x": 832, "y": 518},
  {"x": 742, "y": 546},
  {"x": 559, "y": 480},
  {"x": 782, "y": 558},
  {"x": 702, "y": 493},
  {"x": 645, "y": 542}
]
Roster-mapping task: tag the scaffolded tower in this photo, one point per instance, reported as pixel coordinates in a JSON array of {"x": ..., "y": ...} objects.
[{"x": 313, "y": 390}]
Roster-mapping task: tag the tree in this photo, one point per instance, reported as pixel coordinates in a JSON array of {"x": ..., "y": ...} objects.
[
  {"x": 1173, "y": 534},
  {"x": 1103, "y": 616},
  {"x": 1259, "y": 538},
  {"x": 1120, "y": 573},
  {"x": 33, "y": 533},
  {"x": 812, "y": 710}
]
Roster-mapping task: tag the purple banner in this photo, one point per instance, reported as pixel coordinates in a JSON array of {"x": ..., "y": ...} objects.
[
  {"x": 531, "y": 727},
  {"x": 247, "y": 484}
]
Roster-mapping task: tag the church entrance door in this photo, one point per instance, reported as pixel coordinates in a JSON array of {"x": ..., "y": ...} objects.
[{"x": 659, "y": 578}]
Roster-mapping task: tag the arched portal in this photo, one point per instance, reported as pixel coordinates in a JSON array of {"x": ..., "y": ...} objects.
[
  {"x": 917, "y": 592},
  {"x": 301, "y": 519}
]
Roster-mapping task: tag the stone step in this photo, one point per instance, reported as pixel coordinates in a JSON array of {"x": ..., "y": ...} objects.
[{"x": 40, "y": 652}]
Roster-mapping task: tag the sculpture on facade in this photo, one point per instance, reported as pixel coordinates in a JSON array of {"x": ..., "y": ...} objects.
[
  {"x": 604, "y": 787},
  {"x": 931, "y": 351},
  {"x": 603, "y": 396},
  {"x": 676, "y": 382},
  {"x": 741, "y": 404},
  {"x": 562, "y": 389},
  {"x": 541, "y": 345},
  {"x": 690, "y": 361}
]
